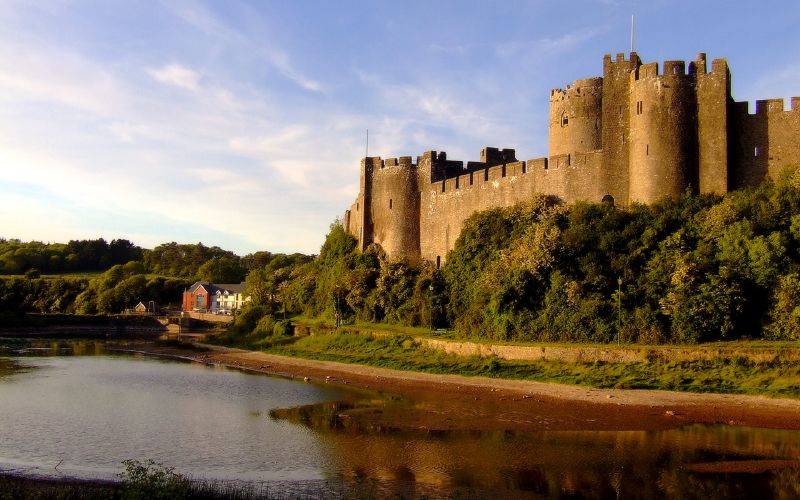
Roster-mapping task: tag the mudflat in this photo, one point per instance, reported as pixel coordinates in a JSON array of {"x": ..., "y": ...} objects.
[{"x": 455, "y": 402}]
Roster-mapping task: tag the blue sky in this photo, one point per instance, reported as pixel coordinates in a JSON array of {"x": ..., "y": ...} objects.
[{"x": 241, "y": 124}]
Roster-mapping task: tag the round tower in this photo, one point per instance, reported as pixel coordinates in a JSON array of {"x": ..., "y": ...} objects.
[
  {"x": 576, "y": 117},
  {"x": 661, "y": 132},
  {"x": 395, "y": 208}
]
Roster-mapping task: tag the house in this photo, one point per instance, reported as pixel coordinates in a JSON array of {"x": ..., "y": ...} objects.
[
  {"x": 222, "y": 298},
  {"x": 146, "y": 307}
]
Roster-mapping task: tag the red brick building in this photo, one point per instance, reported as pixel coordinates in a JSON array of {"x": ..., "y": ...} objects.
[{"x": 198, "y": 297}]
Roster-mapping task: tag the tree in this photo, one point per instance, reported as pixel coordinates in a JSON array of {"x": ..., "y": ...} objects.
[{"x": 222, "y": 270}]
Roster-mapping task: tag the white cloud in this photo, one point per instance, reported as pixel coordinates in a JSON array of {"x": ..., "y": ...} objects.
[
  {"x": 280, "y": 60},
  {"x": 778, "y": 84},
  {"x": 548, "y": 47},
  {"x": 176, "y": 75}
]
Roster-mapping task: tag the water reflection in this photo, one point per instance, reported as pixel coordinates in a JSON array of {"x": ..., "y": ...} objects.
[
  {"x": 92, "y": 410},
  {"x": 594, "y": 464}
]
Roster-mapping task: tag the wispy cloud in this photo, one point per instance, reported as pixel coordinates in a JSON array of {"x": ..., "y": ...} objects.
[
  {"x": 280, "y": 60},
  {"x": 779, "y": 84},
  {"x": 549, "y": 47},
  {"x": 176, "y": 75}
]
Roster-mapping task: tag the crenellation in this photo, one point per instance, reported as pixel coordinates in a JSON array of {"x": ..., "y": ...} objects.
[
  {"x": 675, "y": 68},
  {"x": 769, "y": 106},
  {"x": 630, "y": 135}
]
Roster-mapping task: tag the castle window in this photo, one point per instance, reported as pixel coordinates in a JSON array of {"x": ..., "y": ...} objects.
[
  {"x": 622, "y": 138},
  {"x": 647, "y": 149},
  {"x": 470, "y": 177},
  {"x": 504, "y": 171},
  {"x": 356, "y": 207},
  {"x": 564, "y": 120},
  {"x": 390, "y": 203},
  {"x": 443, "y": 183},
  {"x": 438, "y": 261},
  {"x": 486, "y": 175},
  {"x": 639, "y": 108},
  {"x": 755, "y": 152}
]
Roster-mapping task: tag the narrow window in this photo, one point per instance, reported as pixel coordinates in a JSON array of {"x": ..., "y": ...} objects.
[
  {"x": 486, "y": 175},
  {"x": 443, "y": 183},
  {"x": 755, "y": 152},
  {"x": 458, "y": 183},
  {"x": 470, "y": 178},
  {"x": 622, "y": 138},
  {"x": 390, "y": 203},
  {"x": 356, "y": 207},
  {"x": 647, "y": 150},
  {"x": 504, "y": 171},
  {"x": 438, "y": 261},
  {"x": 564, "y": 120}
]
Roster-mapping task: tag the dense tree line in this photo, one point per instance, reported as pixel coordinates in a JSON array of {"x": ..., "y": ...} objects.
[
  {"x": 40, "y": 295},
  {"x": 17, "y": 257},
  {"x": 694, "y": 269}
]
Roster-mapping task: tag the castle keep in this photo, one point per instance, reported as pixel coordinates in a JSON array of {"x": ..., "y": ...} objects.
[{"x": 633, "y": 135}]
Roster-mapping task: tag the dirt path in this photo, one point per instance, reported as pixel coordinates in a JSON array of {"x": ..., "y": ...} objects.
[{"x": 454, "y": 402}]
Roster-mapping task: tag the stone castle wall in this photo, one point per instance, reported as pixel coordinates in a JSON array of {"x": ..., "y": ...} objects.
[{"x": 634, "y": 135}]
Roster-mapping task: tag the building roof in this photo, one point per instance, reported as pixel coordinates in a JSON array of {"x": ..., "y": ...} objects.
[{"x": 222, "y": 287}]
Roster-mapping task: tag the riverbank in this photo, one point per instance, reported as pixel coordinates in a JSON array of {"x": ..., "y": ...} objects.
[{"x": 455, "y": 402}]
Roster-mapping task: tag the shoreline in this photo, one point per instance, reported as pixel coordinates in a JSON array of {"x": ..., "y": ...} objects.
[{"x": 457, "y": 402}]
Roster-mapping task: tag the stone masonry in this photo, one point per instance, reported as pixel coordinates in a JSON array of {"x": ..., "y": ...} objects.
[{"x": 633, "y": 135}]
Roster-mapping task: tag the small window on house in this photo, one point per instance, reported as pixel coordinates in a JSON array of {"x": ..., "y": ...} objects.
[
  {"x": 438, "y": 261},
  {"x": 390, "y": 203},
  {"x": 755, "y": 152}
]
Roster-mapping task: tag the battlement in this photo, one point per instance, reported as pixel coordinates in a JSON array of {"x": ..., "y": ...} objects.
[
  {"x": 582, "y": 87},
  {"x": 637, "y": 133},
  {"x": 400, "y": 161},
  {"x": 769, "y": 106}
]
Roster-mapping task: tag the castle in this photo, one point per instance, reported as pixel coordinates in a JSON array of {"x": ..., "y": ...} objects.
[{"x": 632, "y": 135}]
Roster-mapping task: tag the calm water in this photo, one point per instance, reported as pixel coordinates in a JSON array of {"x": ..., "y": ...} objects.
[{"x": 71, "y": 409}]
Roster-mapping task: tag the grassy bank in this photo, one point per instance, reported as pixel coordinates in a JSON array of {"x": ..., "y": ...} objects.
[{"x": 735, "y": 375}]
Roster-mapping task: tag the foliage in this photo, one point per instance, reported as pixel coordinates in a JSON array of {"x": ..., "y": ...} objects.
[
  {"x": 152, "y": 481},
  {"x": 182, "y": 260},
  {"x": 221, "y": 270},
  {"x": 17, "y": 257},
  {"x": 122, "y": 287}
]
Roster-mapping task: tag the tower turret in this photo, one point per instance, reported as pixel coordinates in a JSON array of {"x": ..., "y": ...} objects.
[
  {"x": 663, "y": 145},
  {"x": 576, "y": 117}
]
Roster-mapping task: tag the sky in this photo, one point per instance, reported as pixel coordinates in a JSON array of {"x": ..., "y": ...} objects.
[{"x": 242, "y": 124}]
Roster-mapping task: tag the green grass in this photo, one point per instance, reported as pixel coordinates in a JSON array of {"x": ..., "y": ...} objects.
[{"x": 720, "y": 375}]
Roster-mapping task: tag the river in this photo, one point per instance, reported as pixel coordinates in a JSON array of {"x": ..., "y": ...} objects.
[{"x": 70, "y": 408}]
